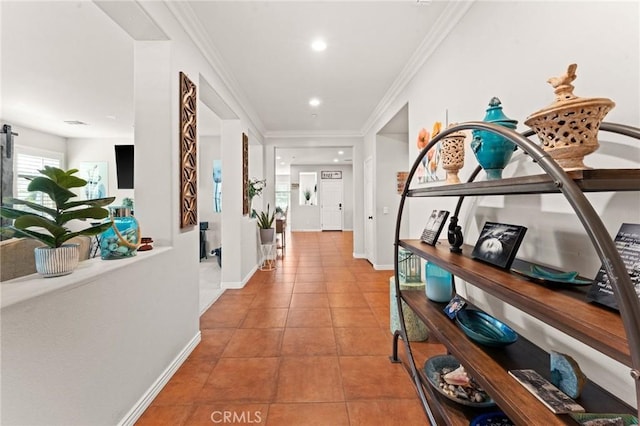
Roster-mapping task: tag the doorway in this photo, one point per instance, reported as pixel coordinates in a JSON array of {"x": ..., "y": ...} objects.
[{"x": 332, "y": 213}]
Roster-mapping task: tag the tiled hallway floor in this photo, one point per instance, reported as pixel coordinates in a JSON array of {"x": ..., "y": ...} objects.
[{"x": 306, "y": 344}]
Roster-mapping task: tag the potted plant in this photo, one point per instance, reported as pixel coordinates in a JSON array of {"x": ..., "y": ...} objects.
[
  {"x": 307, "y": 195},
  {"x": 47, "y": 224},
  {"x": 265, "y": 223}
]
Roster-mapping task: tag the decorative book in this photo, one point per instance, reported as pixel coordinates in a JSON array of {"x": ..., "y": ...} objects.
[
  {"x": 546, "y": 392},
  {"x": 628, "y": 244}
]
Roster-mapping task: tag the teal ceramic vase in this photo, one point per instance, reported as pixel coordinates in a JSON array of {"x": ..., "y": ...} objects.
[
  {"x": 493, "y": 151},
  {"x": 123, "y": 238}
]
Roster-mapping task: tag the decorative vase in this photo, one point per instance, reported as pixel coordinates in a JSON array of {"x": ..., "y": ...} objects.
[
  {"x": 57, "y": 261},
  {"x": 439, "y": 286},
  {"x": 452, "y": 155},
  {"x": 123, "y": 238},
  {"x": 493, "y": 151},
  {"x": 266, "y": 235},
  {"x": 568, "y": 128}
]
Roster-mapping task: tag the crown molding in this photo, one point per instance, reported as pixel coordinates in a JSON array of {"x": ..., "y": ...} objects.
[
  {"x": 190, "y": 24},
  {"x": 454, "y": 11}
]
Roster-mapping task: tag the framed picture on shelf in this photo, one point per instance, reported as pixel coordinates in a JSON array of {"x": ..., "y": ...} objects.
[
  {"x": 434, "y": 226},
  {"x": 627, "y": 242},
  {"x": 498, "y": 243}
]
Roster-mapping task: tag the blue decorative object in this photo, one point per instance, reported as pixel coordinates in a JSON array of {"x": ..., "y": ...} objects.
[
  {"x": 493, "y": 151},
  {"x": 439, "y": 286},
  {"x": 484, "y": 329},
  {"x": 497, "y": 418},
  {"x": 123, "y": 238}
]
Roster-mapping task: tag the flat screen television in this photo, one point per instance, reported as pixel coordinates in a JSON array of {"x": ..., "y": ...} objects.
[{"x": 124, "y": 166}]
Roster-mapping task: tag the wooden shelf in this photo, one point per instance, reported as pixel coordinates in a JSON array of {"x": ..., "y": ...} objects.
[
  {"x": 565, "y": 309},
  {"x": 593, "y": 180},
  {"x": 489, "y": 366}
]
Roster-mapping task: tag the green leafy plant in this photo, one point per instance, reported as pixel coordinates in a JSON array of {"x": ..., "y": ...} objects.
[
  {"x": 265, "y": 219},
  {"x": 255, "y": 188},
  {"x": 307, "y": 194},
  {"x": 48, "y": 224}
]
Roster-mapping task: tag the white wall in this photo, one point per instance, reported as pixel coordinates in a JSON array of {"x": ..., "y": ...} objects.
[
  {"x": 35, "y": 140},
  {"x": 308, "y": 217},
  {"x": 509, "y": 50},
  {"x": 391, "y": 157}
]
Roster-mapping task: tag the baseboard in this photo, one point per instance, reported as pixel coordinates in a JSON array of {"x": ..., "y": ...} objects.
[
  {"x": 383, "y": 267},
  {"x": 359, "y": 256},
  {"x": 239, "y": 284},
  {"x": 306, "y": 230},
  {"x": 143, "y": 403}
]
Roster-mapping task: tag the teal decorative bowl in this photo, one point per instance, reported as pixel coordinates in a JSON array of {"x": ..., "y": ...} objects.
[{"x": 484, "y": 329}]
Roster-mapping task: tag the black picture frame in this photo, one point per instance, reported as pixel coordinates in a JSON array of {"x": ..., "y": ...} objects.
[
  {"x": 434, "y": 226},
  {"x": 498, "y": 243}
]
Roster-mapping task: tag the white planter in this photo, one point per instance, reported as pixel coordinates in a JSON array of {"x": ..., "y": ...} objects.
[{"x": 54, "y": 262}]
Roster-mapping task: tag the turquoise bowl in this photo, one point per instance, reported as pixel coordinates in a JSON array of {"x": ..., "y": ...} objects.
[{"x": 484, "y": 329}]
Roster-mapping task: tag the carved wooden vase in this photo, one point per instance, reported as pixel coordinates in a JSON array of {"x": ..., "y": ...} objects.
[
  {"x": 452, "y": 155},
  {"x": 568, "y": 128}
]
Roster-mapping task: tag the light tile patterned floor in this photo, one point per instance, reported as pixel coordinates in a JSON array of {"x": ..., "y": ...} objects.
[{"x": 306, "y": 344}]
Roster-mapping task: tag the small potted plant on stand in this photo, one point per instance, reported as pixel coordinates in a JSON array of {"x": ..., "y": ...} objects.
[
  {"x": 265, "y": 223},
  {"x": 47, "y": 224}
]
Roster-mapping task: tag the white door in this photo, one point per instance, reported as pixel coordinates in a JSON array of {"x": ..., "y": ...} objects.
[
  {"x": 368, "y": 210},
  {"x": 332, "y": 204}
]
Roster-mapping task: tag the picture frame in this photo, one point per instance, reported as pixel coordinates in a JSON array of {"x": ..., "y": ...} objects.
[
  {"x": 434, "y": 226},
  {"x": 96, "y": 173},
  {"x": 454, "y": 305},
  {"x": 498, "y": 244}
]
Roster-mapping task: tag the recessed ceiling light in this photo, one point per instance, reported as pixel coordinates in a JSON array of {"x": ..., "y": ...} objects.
[
  {"x": 282, "y": 163},
  {"x": 314, "y": 115},
  {"x": 318, "y": 45},
  {"x": 340, "y": 152},
  {"x": 75, "y": 122},
  {"x": 111, "y": 117},
  {"x": 335, "y": 160},
  {"x": 314, "y": 102},
  {"x": 278, "y": 157}
]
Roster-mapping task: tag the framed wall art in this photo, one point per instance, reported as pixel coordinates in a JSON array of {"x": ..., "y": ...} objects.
[
  {"x": 188, "y": 157},
  {"x": 434, "y": 226},
  {"x": 245, "y": 175}
]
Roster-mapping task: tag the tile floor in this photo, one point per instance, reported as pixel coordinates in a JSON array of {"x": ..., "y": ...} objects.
[{"x": 306, "y": 344}]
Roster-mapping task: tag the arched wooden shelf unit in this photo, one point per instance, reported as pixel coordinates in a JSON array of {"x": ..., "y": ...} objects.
[{"x": 614, "y": 334}]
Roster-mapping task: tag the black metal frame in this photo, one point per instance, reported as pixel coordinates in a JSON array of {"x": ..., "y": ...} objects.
[{"x": 626, "y": 296}]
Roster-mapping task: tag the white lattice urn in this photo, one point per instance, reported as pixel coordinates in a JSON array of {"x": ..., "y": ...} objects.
[
  {"x": 55, "y": 262},
  {"x": 452, "y": 155},
  {"x": 568, "y": 128}
]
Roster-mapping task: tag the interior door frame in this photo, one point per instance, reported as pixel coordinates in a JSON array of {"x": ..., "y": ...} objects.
[
  {"x": 322, "y": 194},
  {"x": 369, "y": 210}
]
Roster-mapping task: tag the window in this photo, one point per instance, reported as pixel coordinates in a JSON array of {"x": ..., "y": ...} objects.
[{"x": 27, "y": 167}]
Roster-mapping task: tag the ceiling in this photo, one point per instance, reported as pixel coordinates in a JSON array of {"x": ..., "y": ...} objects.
[{"x": 66, "y": 60}]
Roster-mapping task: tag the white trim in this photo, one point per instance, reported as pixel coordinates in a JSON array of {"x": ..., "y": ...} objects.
[
  {"x": 239, "y": 284},
  {"x": 359, "y": 256},
  {"x": 383, "y": 267},
  {"x": 307, "y": 230},
  {"x": 147, "y": 398}
]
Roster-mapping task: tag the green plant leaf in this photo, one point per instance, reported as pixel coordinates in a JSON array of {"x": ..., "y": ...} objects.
[
  {"x": 63, "y": 178},
  {"x": 96, "y": 202},
  {"x": 34, "y": 206},
  {"x": 47, "y": 239},
  {"x": 33, "y": 220},
  {"x": 94, "y": 230},
  {"x": 57, "y": 193},
  {"x": 82, "y": 214}
]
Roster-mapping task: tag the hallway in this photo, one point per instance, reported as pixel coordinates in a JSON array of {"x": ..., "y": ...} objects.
[{"x": 307, "y": 344}]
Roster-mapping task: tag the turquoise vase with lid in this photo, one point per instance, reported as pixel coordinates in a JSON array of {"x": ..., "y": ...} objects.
[
  {"x": 123, "y": 238},
  {"x": 493, "y": 151}
]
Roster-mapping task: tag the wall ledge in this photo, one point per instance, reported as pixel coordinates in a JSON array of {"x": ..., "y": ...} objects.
[{"x": 23, "y": 289}]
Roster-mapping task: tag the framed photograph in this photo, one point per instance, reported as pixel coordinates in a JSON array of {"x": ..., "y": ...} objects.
[
  {"x": 454, "y": 306},
  {"x": 498, "y": 243},
  {"x": 628, "y": 244},
  {"x": 434, "y": 226},
  {"x": 96, "y": 173}
]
